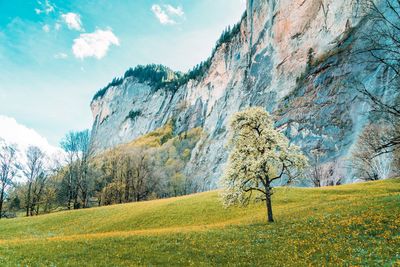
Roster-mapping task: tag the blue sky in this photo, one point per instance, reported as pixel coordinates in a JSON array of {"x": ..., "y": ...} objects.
[{"x": 54, "y": 55}]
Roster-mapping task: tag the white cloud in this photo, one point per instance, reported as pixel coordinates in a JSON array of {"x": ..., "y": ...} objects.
[
  {"x": 177, "y": 11},
  {"x": 60, "y": 56},
  {"x": 46, "y": 28},
  {"x": 162, "y": 15},
  {"x": 73, "y": 21},
  {"x": 94, "y": 44},
  {"x": 167, "y": 14},
  {"x": 46, "y": 7},
  {"x": 57, "y": 26},
  {"x": 14, "y": 133}
]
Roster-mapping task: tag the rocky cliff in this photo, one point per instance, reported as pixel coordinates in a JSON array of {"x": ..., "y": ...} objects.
[{"x": 293, "y": 57}]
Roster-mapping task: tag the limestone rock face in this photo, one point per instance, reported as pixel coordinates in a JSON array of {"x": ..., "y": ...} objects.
[{"x": 292, "y": 57}]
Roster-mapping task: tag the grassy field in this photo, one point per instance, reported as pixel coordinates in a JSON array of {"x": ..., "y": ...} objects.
[{"x": 347, "y": 225}]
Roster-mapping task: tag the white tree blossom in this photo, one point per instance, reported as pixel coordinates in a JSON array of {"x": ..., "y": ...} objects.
[{"x": 260, "y": 155}]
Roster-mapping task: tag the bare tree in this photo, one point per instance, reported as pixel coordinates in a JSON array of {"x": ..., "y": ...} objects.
[
  {"x": 333, "y": 173},
  {"x": 108, "y": 168},
  {"x": 129, "y": 176},
  {"x": 69, "y": 144},
  {"x": 322, "y": 173},
  {"x": 8, "y": 169},
  {"x": 316, "y": 173},
  {"x": 83, "y": 175},
  {"x": 139, "y": 181},
  {"x": 76, "y": 145},
  {"x": 38, "y": 191},
  {"x": 382, "y": 47},
  {"x": 366, "y": 164},
  {"x": 34, "y": 172}
]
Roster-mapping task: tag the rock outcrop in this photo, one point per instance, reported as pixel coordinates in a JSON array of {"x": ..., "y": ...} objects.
[{"x": 293, "y": 57}]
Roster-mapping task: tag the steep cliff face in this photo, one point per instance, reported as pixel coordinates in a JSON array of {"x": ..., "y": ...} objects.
[{"x": 289, "y": 56}]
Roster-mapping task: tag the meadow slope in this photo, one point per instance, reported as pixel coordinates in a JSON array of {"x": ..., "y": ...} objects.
[{"x": 355, "y": 224}]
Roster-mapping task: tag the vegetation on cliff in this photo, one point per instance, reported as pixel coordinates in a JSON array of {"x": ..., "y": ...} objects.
[{"x": 159, "y": 76}]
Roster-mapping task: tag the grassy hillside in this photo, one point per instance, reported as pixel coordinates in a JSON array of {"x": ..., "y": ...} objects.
[{"x": 347, "y": 225}]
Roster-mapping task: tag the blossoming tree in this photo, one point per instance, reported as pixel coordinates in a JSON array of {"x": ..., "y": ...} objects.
[{"x": 260, "y": 155}]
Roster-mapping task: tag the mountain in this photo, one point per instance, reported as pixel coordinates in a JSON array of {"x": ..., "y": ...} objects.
[{"x": 298, "y": 59}]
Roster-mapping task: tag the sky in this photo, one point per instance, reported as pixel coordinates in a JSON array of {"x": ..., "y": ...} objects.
[{"x": 55, "y": 55}]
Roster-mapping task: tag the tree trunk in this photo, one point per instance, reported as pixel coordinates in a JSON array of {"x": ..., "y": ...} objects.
[
  {"x": 127, "y": 189},
  {"x": 69, "y": 194},
  {"x": 69, "y": 202},
  {"x": 268, "y": 202},
  {"x": 37, "y": 209},
  {"x": 31, "y": 208},
  {"x": 1, "y": 201},
  {"x": 28, "y": 199},
  {"x": 76, "y": 202},
  {"x": 85, "y": 200}
]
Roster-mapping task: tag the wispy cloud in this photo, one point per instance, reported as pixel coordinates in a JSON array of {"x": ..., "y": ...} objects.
[
  {"x": 177, "y": 11},
  {"x": 57, "y": 26},
  {"x": 94, "y": 44},
  {"x": 73, "y": 21},
  {"x": 167, "y": 14},
  {"x": 45, "y": 7},
  {"x": 60, "y": 56},
  {"x": 46, "y": 28}
]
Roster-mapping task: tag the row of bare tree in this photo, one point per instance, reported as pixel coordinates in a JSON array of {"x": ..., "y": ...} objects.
[
  {"x": 377, "y": 152},
  {"x": 76, "y": 178},
  {"x": 35, "y": 170},
  {"x": 376, "y": 155},
  {"x": 127, "y": 176},
  {"x": 8, "y": 170},
  {"x": 76, "y": 173}
]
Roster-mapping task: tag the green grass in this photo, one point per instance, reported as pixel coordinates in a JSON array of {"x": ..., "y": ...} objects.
[{"x": 348, "y": 225}]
